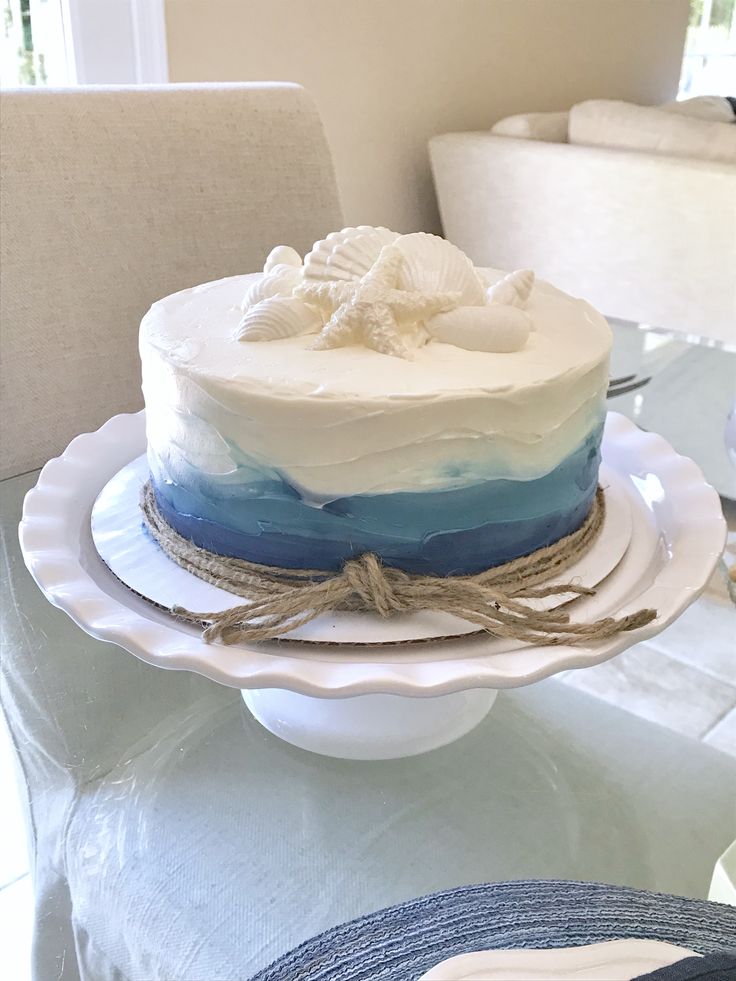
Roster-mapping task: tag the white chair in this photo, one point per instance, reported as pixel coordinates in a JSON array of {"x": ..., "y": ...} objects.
[
  {"x": 115, "y": 197},
  {"x": 111, "y": 199}
]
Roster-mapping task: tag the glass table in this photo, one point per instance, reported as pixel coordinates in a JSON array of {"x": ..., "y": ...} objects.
[{"x": 689, "y": 397}]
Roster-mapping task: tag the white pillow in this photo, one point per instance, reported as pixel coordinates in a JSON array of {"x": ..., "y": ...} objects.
[
  {"x": 550, "y": 127},
  {"x": 650, "y": 129},
  {"x": 716, "y": 108}
]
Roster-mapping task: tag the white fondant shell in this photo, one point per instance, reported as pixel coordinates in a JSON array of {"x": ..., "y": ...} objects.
[
  {"x": 434, "y": 265},
  {"x": 280, "y": 281},
  {"x": 513, "y": 290},
  {"x": 494, "y": 328},
  {"x": 282, "y": 255},
  {"x": 277, "y": 317},
  {"x": 348, "y": 254}
]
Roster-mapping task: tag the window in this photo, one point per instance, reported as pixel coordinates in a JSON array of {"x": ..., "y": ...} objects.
[
  {"x": 709, "y": 65},
  {"x": 33, "y": 43},
  {"x": 64, "y": 42}
]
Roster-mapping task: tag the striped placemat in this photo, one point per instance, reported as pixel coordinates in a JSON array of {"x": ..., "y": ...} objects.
[{"x": 402, "y": 942}]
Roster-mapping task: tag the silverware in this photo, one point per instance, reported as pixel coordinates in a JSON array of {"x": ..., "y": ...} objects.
[{"x": 627, "y": 383}]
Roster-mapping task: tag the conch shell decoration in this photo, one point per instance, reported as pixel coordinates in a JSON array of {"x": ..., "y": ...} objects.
[
  {"x": 498, "y": 329},
  {"x": 389, "y": 292},
  {"x": 513, "y": 289},
  {"x": 499, "y": 326}
]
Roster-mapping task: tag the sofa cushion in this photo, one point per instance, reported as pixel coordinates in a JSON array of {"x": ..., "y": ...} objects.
[
  {"x": 716, "y": 108},
  {"x": 623, "y": 126},
  {"x": 550, "y": 127}
]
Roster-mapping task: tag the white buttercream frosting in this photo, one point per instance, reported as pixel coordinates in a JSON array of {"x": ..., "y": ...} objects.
[{"x": 351, "y": 420}]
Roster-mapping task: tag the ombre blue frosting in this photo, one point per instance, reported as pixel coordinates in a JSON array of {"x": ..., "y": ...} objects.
[{"x": 453, "y": 532}]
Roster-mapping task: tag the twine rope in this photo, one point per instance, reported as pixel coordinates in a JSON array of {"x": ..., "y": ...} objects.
[{"x": 280, "y": 600}]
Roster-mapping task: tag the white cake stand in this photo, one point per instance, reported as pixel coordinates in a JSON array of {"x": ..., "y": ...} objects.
[{"x": 357, "y": 701}]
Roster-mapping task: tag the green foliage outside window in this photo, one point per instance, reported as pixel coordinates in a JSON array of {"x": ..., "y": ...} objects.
[
  {"x": 720, "y": 16},
  {"x": 30, "y": 66}
]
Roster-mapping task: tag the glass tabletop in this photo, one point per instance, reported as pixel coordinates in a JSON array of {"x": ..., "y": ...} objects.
[
  {"x": 690, "y": 394},
  {"x": 175, "y": 837}
]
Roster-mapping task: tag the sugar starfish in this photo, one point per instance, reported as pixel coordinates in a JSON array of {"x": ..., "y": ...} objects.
[{"x": 372, "y": 310}]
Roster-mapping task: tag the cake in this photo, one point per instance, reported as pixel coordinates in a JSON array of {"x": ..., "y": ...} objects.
[{"x": 381, "y": 395}]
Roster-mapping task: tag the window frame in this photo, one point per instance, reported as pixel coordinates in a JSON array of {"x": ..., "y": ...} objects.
[{"x": 137, "y": 54}]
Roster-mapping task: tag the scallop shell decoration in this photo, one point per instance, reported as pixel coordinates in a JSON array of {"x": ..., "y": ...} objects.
[
  {"x": 279, "y": 280},
  {"x": 277, "y": 317},
  {"x": 495, "y": 328},
  {"x": 348, "y": 254},
  {"x": 513, "y": 290},
  {"x": 434, "y": 265}
]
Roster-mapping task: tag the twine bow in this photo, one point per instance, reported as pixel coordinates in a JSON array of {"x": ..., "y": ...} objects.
[{"x": 280, "y": 600}]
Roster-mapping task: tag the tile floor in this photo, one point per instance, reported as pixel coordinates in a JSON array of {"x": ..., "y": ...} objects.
[
  {"x": 685, "y": 677},
  {"x": 678, "y": 680}
]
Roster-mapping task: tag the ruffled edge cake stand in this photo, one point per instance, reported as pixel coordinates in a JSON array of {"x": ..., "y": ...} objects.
[{"x": 359, "y": 701}]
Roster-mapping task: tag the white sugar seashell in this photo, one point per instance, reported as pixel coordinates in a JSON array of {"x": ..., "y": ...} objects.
[
  {"x": 282, "y": 255},
  {"x": 498, "y": 329},
  {"x": 513, "y": 289},
  {"x": 277, "y": 317},
  {"x": 434, "y": 265},
  {"x": 280, "y": 281},
  {"x": 348, "y": 254}
]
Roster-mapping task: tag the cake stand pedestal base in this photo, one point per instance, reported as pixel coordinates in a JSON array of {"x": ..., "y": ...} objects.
[{"x": 369, "y": 727}]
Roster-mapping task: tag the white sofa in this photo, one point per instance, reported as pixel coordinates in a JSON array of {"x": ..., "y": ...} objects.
[{"x": 643, "y": 236}]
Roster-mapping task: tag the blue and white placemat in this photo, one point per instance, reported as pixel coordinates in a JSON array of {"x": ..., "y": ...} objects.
[{"x": 402, "y": 942}]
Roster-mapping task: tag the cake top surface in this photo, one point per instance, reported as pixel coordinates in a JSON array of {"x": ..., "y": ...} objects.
[{"x": 196, "y": 331}]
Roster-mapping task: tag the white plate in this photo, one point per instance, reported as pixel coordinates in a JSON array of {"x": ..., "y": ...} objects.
[
  {"x": 678, "y": 536},
  {"x": 615, "y": 960},
  {"x": 137, "y": 560}
]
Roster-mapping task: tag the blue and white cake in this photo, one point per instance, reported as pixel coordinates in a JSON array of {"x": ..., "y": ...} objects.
[{"x": 381, "y": 395}]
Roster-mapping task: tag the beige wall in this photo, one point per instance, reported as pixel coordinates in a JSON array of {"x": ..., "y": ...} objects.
[{"x": 388, "y": 74}]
